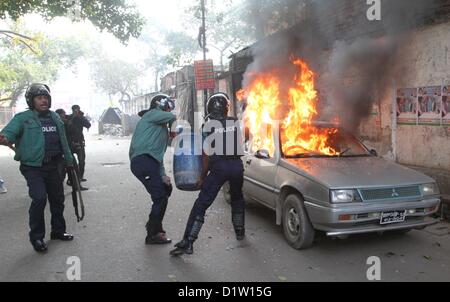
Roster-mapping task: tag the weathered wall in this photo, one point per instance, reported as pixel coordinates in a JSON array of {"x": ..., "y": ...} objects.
[
  {"x": 6, "y": 114},
  {"x": 427, "y": 64},
  {"x": 427, "y": 148}
]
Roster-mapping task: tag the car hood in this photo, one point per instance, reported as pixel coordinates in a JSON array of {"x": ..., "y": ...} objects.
[{"x": 356, "y": 172}]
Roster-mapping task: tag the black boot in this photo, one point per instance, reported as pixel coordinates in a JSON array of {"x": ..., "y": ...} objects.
[
  {"x": 238, "y": 219},
  {"x": 184, "y": 241},
  {"x": 39, "y": 246},
  {"x": 185, "y": 246}
]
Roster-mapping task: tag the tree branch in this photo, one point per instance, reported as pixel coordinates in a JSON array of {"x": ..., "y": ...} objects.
[
  {"x": 5, "y": 32},
  {"x": 21, "y": 41}
]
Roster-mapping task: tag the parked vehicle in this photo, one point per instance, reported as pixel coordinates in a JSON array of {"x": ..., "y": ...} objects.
[{"x": 351, "y": 193}]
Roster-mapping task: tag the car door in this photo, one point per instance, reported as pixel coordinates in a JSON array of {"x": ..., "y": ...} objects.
[{"x": 259, "y": 178}]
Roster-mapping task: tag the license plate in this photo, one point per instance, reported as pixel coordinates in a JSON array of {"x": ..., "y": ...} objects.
[{"x": 393, "y": 217}]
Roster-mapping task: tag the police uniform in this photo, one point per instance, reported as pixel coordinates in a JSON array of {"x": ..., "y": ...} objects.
[
  {"x": 224, "y": 137},
  {"x": 147, "y": 148},
  {"x": 46, "y": 180},
  {"x": 42, "y": 150}
]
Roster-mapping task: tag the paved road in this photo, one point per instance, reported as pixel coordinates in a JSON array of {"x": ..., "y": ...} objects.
[{"x": 110, "y": 241}]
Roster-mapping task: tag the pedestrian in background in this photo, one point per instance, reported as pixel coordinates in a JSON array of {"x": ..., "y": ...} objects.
[
  {"x": 76, "y": 123},
  {"x": 65, "y": 120}
]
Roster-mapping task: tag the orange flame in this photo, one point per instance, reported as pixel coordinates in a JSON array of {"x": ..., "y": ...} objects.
[
  {"x": 262, "y": 102},
  {"x": 298, "y": 135}
]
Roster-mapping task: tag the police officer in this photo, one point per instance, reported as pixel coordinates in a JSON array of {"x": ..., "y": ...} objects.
[
  {"x": 223, "y": 162},
  {"x": 76, "y": 122},
  {"x": 42, "y": 149},
  {"x": 64, "y": 118},
  {"x": 148, "y": 146}
]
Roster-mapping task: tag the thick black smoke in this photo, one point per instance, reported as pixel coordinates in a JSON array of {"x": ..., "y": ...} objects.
[{"x": 355, "y": 58}]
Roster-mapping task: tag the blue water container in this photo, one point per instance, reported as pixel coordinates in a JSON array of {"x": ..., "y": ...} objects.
[{"x": 187, "y": 161}]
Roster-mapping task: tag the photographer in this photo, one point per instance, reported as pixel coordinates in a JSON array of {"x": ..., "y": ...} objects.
[
  {"x": 64, "y": 119},
  {"x": 76, "y": 122}
]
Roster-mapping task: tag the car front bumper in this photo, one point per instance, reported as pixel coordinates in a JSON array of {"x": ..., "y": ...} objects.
[{"x": 364, "y": 217}]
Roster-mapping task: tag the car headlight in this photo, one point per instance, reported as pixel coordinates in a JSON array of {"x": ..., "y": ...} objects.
[
  {"x": 342, "y": 196},
  {"x": 429, "y": 189}
]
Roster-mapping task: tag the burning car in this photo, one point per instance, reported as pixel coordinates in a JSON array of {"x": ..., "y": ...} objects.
[{"x": 317, "y": 176}]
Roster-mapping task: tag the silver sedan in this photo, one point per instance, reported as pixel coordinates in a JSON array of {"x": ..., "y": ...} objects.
[{"x": 351, "y": 193}]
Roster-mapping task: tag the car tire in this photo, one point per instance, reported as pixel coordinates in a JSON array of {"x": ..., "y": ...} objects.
[{"x": 297, "y": 227}]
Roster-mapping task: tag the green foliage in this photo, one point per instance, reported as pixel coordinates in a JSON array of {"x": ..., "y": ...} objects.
[
  {"x": 115, "y": 76},
  {"x": 182, "y": 49},
  {"x": 119, "y": 18},
  {"x": 226, "y": 30},
  {"x": 38, "y": 60},
  {"x": 167, "y": 49}
]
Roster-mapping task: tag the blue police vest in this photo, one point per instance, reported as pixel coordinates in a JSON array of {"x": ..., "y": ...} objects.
[
  {"x": 222, "y": 139},
  {"x": 53, "y": 146}
]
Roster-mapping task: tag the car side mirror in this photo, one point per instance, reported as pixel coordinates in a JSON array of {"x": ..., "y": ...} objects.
[
  {"x": 262, "y": 154},
  {"x": 374, "y": 152}
]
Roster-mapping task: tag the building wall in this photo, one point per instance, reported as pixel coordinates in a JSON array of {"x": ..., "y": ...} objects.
[
  {"x": 6, "y": 114},
  {"x": 427, "y": 64},
  {"x": 137, "y": 104},
  {"x": 425, "y": 148}
]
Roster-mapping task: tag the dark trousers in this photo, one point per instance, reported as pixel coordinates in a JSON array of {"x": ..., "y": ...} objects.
[
  {"x": 147, "y": 170},
  {"x": 81, "y": 156},
  {"x": 220, "y": 172},
  {"x": 45, "y": 182}
]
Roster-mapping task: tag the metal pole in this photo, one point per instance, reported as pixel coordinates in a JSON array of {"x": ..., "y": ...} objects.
[
  {"x": 205, "y": 92},
  {"x": 394, "y": 121},
  {"x": 204, "y": 28}
]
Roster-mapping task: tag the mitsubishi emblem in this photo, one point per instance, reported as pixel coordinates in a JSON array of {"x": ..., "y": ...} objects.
[{"x": 394, "y": 194}]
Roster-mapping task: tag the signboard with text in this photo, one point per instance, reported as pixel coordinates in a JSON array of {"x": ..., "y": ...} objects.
[{"x": 204, "y": 75}]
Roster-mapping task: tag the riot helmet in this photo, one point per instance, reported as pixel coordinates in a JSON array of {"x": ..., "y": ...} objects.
[
  {"x": 218, "y": 106},
  {"x": 35, "y": 90},
  {"x": 163, "y": 102}
]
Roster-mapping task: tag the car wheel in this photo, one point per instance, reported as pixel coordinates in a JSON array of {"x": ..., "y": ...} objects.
[{"x": 297, "y": 227}]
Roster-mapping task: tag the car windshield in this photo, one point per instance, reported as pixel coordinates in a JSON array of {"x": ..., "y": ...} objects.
[{"x": 343, "y": 143}]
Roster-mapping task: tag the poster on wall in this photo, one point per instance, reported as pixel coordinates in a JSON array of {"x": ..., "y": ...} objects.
[
  {"x": 407, "y": 104},
  {"x": 430, "y": 101},
  {"x": 446, "y": 105},
  {"x": 375, "y": 114}
]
